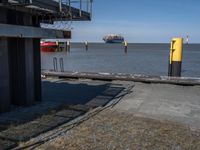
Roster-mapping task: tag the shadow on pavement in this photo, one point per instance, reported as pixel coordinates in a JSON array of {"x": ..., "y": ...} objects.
[{"x": 63, "y": 101}]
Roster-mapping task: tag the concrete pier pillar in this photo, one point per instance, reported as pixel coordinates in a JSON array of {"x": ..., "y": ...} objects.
[
  {"x": 22, "y": 71},
  {"x": 4, "y": 76},
  {"x": 37, "y": 69},
  {"x": 4, "y": 69},
  {"x": 29, "y": 71},
  {"x": 20, "y": 64}
]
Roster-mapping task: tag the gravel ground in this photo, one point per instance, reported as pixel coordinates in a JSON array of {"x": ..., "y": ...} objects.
[{"x": 113, "y": 130}]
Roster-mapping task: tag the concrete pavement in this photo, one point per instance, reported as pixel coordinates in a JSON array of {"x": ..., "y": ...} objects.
[{"x": 164, "y": 102}]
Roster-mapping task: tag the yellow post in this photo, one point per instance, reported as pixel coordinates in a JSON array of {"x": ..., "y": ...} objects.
[
  {"x": 125, "y": 46},
  {"x": 86, "y": 45},
  {"x": 58, "y": 48},
  {"x": 175, "y": 57},
  {"x": 68, "y": 46}
]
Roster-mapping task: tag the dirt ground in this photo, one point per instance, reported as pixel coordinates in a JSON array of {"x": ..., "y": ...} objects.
[{"x": 113, "y": 130}]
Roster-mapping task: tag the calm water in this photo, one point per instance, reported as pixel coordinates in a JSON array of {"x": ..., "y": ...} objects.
[{"x": 149, "y": 59}]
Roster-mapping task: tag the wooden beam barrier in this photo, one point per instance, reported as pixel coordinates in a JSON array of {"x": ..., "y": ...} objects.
[{"x": 185, "y": 81}]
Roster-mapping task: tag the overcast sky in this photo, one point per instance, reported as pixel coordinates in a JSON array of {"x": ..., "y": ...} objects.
[{"x": 141, "y": 20}]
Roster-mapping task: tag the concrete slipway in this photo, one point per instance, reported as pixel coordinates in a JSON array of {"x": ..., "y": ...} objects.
[{"x": 163, "y": 102}]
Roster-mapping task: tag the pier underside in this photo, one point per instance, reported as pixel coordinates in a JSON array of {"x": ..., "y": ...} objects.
[{"x": 20, "y": 34}]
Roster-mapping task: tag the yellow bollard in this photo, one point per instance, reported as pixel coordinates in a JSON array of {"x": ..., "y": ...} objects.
[
  {"x": 125, "y": 47},
  {"x": 58, "y": 48},
  {"x": 68, "y": 46},
  {"x": 175, "y": 57},
  {"x": 86, "y": 45}
]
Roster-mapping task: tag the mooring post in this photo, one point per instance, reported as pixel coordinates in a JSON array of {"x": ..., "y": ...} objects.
[
  {"x": 68, "y": 46},
  {"x": 58, "y": 48},
  {"x": 175, "y": 57},
  {"x": 125, "y": 47},
  {"x": 65, "y": 47},
  {"x": 86, "y": 46}
]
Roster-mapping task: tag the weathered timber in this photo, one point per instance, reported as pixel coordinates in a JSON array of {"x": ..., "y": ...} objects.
[{"x": 126, "y": 77}]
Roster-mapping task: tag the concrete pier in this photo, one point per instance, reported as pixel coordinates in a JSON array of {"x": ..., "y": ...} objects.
[
  {"x": 156, "y": 110},
  {"x": 19, "y": 63},
  {"x": 20, "y": 34}
]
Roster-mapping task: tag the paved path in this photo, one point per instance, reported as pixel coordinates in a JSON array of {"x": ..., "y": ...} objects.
[
  {"x": 166, "y": 102},
  {"x": 150, "y": 116}
]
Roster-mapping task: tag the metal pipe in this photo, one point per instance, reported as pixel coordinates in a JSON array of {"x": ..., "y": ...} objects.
[
  {"x": 55, "y": 64},
  {"x": 61, "y": 65}
]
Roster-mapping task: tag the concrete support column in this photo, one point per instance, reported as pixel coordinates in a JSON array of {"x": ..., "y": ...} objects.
[
  {"x": 37, "y": 69},
  {"x": 4, "y": 69},
  {"x": 4, "y": 76},
  {"x": 16, "y": 48},
  {"x": 37, "y": 62},
  {"x": 29, "y": 71},
  {"x": 20, "y": 64},
  {"x": 22, "y": 71}
]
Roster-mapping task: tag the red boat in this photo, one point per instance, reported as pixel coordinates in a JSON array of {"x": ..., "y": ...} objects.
[{"x": 48, "y": 46}]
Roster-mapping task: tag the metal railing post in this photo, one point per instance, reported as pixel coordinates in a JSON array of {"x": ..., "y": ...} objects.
[
  {"x": 55, "y": 64},
  {"x": 61, "y": 65}
]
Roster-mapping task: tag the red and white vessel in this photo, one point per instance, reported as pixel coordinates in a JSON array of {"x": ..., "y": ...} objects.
[{"x": 48, "y": 46}]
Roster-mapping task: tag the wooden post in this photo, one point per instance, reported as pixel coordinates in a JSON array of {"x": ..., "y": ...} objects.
[
  {"x": 68, "y": 46},
  {"x": 86, "y": 46},
  {"x": 125, "y": 47}
]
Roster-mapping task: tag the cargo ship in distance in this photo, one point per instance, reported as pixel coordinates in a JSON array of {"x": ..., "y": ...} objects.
[{"x": 113, "y": 38}]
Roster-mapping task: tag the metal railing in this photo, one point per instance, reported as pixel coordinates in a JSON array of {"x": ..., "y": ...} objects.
[
  {"x": 81, "y": 5},
  {"x": 61, "y": 65},
  {"x": 55, "y": 64}
]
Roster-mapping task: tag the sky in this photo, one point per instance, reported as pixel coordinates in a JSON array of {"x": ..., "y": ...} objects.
[{"x": 141, "y": 21}]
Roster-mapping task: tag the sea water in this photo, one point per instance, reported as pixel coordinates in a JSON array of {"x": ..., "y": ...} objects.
[{"x": 142, "y": 58}]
